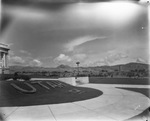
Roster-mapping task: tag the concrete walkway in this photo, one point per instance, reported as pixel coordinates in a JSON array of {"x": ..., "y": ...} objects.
[{"x": 114, "y": 105}]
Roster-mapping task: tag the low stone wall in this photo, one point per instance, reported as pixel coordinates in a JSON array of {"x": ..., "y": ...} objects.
[
  {"x": 69, "y": 80},
  {"x": 82, "y": 80},
  {"x": 74, "y": 82}
]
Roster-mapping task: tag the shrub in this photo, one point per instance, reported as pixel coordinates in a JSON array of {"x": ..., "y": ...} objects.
[
  {"x": 14, "y": 77},
  {"x": 25, "y": 77},
  {"x": 6, "y": 76}
]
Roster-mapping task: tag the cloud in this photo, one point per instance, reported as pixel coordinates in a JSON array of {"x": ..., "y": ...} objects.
[
  {"x": 11, "y": 53},
  {"x": 70, "y": 60},
  {"x": 111, "y": 58},
  {"x": 62, "y": 58},
  {"x": 24, "y": 60},
  {"x": 116, "y": 60},
  {"x": 25, "y": 52},
  {"x": 140, "y": 60},
  {"x": 79, "y": 57},
  {"x": 16, "y": 60},
  {"x": 35, "y": 62},
  {"x": 100, "y": 62},
  {"x": 24, "y": 12},
  {"x": 105, "y": 61},
  {"x": 10, "y": 44},
  {"x": 79, "y": 41}
]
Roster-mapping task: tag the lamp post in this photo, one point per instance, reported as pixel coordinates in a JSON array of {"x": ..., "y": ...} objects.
[{"x": 78, "y": 68}]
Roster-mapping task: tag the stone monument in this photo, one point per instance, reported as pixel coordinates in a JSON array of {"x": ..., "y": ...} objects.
[{"x": 3, "y": 59}]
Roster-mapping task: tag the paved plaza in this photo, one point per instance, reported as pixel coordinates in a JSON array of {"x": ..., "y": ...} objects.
[{"x": 113, "y": 105}]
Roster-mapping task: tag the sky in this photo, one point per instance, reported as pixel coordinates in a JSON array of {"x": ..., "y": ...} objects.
[{"x": 95, "y": 34}]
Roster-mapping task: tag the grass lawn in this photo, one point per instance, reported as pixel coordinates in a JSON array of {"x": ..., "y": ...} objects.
[
  {"x": 9, "y": 96},
  {"x": 133, "y": 81},
  {"x": 144, "y": 91}
]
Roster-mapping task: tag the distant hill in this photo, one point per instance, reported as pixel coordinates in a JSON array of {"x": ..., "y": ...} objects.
[
  {"x": 63, "y": 66},
  {"x": 133, "y": 66},
  {"x": 123, "y": 67},
  {"x": 28, "y": 69},
  {"x": 129, "y": 66}
]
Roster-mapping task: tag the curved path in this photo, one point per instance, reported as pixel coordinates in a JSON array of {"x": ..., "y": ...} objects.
[{"x": 114, "y": 105}]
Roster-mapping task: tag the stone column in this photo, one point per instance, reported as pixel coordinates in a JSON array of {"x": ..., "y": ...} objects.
[
  {"x": 0, "y": 55},
  {"x": 1, "y": 61},
  {"x": 4, "y": 57},
  {"x": 6, "y": 60}
]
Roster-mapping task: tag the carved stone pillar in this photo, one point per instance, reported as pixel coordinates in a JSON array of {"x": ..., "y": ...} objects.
[
  {"x": 6, "y": 60},
  {"x": 3, "y": 59}
]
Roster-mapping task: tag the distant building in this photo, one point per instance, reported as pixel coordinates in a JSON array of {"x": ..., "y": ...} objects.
[{"x": 3, "y": 58}]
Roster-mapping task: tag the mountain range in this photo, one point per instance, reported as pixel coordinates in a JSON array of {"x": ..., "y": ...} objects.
[{"x": 62, "y": 68}]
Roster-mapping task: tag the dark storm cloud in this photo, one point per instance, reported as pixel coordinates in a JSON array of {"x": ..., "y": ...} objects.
[
  {"x": 5, "y": 22},
  {"x": 52, "y": 3},
  {"x": 40, "y": 4},
  {"x": 44, "y": 2}
]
